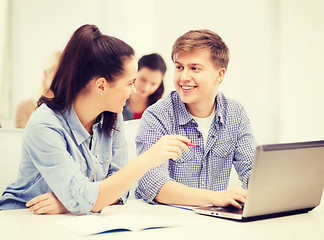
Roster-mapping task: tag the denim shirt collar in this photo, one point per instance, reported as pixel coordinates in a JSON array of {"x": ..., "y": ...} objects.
[{"x": 79, "y": 132}]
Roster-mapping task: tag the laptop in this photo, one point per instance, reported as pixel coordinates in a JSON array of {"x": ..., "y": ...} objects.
[{"x": 285, "y": 179}]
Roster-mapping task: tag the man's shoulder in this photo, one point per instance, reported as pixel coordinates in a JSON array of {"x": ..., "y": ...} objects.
[
  {"x": 165, "y": 104},
  {"x": 228, "y": 103}
]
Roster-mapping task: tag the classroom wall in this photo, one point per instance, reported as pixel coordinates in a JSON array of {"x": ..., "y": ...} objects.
[
  {"x": 301, "y": 88},
  {"x": 276, "y": 50}
]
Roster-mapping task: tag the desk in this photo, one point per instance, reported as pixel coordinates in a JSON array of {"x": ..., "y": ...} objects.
[{"x": 20, "y": 224}]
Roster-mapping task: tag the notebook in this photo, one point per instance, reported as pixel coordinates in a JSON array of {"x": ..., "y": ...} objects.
[
  {"x": 95, "y": 224},
  {"x": 285, "y": 179}
]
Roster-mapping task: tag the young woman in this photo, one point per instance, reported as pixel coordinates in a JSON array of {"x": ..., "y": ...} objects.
[
  {"x": 74, "y": 151},
  {"x": 149, "y": 86}
]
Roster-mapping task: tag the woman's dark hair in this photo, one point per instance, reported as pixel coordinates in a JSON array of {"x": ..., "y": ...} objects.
[
  {"x": 88, "y": 54},
  {"x": 154, "y": 62}
]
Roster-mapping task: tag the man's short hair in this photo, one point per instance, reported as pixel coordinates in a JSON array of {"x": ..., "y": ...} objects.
[{"x": 203, "y": 39}]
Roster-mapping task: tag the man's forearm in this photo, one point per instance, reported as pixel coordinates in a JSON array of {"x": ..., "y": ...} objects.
[{"x": 173, "y": 192}]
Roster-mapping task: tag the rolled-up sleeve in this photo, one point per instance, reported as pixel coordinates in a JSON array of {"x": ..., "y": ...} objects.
[
  {"x": 119, "y": 153},
  {"x": 47, "y": 148}
]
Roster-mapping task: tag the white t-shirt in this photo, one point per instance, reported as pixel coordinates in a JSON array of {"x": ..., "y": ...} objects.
[{"x": 204, "y": 124}]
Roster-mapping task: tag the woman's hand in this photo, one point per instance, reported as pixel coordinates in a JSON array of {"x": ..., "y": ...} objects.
[
  {"x": 166, "y": 147},
  {"x": 46, "y": 204},
  {"x": 230, "y": 197}
]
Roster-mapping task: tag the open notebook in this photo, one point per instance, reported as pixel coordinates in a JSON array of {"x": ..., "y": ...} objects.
[{"x": 94, "y": 224}]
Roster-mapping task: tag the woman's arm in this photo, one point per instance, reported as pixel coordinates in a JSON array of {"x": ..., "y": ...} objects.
[
  {"x": 46, "y": 203},
  {"x": 111, "y": 188}
]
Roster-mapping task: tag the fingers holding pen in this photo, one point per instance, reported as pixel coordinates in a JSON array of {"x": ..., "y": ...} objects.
[
  {"x": 175, "y": 142},
  {"x": 166, "y": 147}
]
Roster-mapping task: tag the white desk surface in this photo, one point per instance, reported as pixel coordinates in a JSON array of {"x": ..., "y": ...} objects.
[{"x": 20, "y": 224}]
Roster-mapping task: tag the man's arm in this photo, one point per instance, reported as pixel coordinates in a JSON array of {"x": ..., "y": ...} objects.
[
  {"x": 244, "y": 152},
  {"x": 173, "y": 192}
]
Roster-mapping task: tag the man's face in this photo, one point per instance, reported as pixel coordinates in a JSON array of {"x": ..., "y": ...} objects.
[{"x": 196, "y": 78}]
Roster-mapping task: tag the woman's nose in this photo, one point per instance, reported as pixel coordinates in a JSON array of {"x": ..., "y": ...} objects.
[{"x": 133, "y": 89}]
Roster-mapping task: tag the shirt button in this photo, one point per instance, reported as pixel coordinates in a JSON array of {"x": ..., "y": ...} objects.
[
  {"x": 213, "y": 136},
  {"x": 74, "y": 193},
  {"x": 203, "y": 183},
  {"x": 225, "y": 153},
  {"x": 199, "y": 136},
  {"x": 107, "y": 160},
  {"x": 203, "y": 159}
]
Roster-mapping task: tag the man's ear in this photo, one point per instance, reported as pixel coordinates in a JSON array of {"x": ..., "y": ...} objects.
[{"x": 221, "y": 75}]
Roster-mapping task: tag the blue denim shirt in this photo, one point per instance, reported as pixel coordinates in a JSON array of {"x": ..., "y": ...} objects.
[
  {"x": 230, "y": 142},
  {"x": 56, "y": 158},
  {"x": 127, "y": 112}
]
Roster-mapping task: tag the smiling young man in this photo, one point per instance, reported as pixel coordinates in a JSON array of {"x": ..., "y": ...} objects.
[{"x": 197, "y": 110}]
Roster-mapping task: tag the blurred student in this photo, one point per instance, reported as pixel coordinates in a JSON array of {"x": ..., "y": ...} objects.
[
  {"x": 219, "y": 125},
  {"x": 26, "y": 108},
  {"x": 74, "y": 152},
  {"x": 149, "y": 86}
]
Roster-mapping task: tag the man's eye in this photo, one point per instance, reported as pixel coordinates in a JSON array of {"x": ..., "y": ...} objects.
[{"x": 178, "y": 67}]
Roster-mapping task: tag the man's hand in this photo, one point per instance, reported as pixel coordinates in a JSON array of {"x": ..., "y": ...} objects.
[{"x": 230, "y": 197}]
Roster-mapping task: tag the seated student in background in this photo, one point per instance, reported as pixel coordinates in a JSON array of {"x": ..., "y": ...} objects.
[
  {"x": 220, "y": 126},
  {"x": 149, "y": 86},
  {"x": 26, "y": 108},
  {"x": 74, "y": 153}
]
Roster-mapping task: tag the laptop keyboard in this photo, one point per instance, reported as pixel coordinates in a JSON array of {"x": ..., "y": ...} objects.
[{"x": 230, "y": 209}]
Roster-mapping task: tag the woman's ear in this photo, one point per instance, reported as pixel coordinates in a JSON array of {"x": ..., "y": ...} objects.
[{"x": 100, "y": 85}]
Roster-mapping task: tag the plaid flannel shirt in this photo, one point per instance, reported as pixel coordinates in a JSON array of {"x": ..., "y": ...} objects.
[{"x": 230, "y": 141}]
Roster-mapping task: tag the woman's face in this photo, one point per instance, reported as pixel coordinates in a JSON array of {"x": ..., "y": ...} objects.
[
  {"x": 119, "y": 91},
  {"x": 147, "y": 81}
]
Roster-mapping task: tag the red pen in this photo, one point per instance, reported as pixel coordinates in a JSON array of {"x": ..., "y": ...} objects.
[{"x": 189, "y": 144}]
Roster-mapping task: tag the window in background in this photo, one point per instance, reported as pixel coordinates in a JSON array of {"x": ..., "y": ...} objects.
[{"x": 5, "y": 61}]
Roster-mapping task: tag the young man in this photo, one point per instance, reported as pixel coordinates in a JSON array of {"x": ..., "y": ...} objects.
[{"x": 219, "y": 126}]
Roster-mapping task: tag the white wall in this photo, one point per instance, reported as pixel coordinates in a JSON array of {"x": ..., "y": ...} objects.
[
  {"x": 276, "y": 50},
  {"x": 301, "y": 73},
  {"x": 40, "y": 28}
]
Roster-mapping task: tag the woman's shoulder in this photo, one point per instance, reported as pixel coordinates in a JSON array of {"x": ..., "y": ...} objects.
[{"x": 45, "y": 116}]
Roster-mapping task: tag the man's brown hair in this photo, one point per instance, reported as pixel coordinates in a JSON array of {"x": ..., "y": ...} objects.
[{"x": 203, "y": 39}]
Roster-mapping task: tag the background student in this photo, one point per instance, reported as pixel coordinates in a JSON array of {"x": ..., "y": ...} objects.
[
  {"x": 149, "y": 86},
  {"x": 74, "y": 155},
  {"x": 197, "y": 110},
  {"x": 26, "y": 108}
]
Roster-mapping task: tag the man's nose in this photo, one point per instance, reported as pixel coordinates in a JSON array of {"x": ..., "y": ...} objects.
[{"x": 185, "y": 75}]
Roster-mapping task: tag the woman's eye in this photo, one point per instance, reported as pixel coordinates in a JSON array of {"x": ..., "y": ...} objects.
[{"x": 131, "y": 83}]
